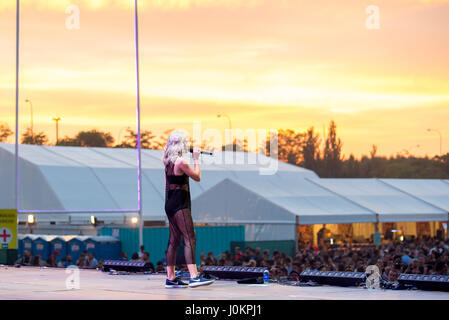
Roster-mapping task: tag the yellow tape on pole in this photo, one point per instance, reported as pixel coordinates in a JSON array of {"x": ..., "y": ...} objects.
[{"x": 8, "y": 229}]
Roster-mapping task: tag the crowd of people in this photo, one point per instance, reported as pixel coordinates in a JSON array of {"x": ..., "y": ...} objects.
[
  {"x": 422, "y": 256},
  {"x": 85, "y": 260}
]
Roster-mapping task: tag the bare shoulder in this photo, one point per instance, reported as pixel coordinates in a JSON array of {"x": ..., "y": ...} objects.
[{"x": 181, "y": 163}]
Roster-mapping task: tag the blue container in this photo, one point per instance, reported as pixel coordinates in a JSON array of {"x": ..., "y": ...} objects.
[
  {"x": 75, "y": 247},
  {"x": 20, "y": 245},
  {"x": 59, "y": 244},
  {"x": 41, "y": 246},
  {"x": 27, "y": 244},
  {"x": 103, "y": 247}
]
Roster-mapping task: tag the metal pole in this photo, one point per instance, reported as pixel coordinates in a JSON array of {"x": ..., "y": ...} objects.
[
  {"x": 16, "y": 195},
  {"x": 139, "y": 166},
  {"x": 296, "y": 236}
]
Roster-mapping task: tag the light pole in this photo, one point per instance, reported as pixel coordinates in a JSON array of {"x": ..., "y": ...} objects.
[
  {"x": 441, "y": 137},
  {"x": 31, "y": 122},
  {"x": 226, "y": 116},
  {"x": 57, "y": 119}
]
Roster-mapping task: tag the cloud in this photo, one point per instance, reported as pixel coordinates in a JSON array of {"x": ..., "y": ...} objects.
[{"x": 124, "y": 4}]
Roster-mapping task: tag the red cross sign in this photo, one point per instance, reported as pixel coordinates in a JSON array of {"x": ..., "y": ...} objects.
[{"x": 5, "y": 235}]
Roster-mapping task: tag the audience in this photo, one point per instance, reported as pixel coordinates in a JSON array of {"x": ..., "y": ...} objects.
[{"x": 420, "y": 256}]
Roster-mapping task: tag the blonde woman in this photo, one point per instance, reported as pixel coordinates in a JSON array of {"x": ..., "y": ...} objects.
[{"x": 178, "y": 208}]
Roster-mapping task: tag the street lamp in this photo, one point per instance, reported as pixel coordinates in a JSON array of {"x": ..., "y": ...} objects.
[
  {"x": 57, "y": 119},
  {"x": 226, "y": 116},
  {"x": 32, "y": 122},
  {"x": 441, "y": 138}
]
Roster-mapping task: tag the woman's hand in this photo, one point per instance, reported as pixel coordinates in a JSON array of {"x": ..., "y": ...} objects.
[{"x": 196, "y": 153}]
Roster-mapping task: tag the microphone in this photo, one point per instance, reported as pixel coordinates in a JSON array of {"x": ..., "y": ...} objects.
[{"x": 210, "y": 153}]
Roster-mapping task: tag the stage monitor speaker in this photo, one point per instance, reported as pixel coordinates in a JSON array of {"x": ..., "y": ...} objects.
[
  {"x": 130, "y": 266},
  {"x": 233, "y": 273},
  {"x": 424, "y": 282},
  {"x": 334, "y": 278}
]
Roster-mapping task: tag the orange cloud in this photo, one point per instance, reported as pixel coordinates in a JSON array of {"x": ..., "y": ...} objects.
[{"x": 123, "y": 4}]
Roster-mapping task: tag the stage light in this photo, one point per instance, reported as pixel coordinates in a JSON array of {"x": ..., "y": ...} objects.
[
  {"x": 93, "y": 220},
  {"x": 344, "y": 279},
  {"x": 233, "y": 273},
  {"x": 134, "y": 220},
  {"x": 425, "y": 282},
  {"x": 30, "y": 219}
]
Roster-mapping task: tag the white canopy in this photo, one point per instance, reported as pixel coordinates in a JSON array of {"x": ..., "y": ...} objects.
[
  {"x": 78, "y": 178},
  {"x": 390, "y": 203}
]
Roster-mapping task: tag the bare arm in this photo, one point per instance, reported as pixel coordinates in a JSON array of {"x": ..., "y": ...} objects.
[{"x": 194, "y": 173}]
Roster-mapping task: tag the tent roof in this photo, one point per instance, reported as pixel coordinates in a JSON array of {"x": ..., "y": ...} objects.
[
  {"x": 388, "y": 202},
  {"x": 432, "y": 191},
  {"x": 270, "y": 199}
]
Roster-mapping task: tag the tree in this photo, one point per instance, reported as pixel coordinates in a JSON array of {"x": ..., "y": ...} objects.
[
  {"x": 311, "y": 150},
  {"x": 38, "y": 138},
  {"x": 91, "y": 138},
  {"x": 290, "y": 144},
  {"x": 130, "y": 140},
  {"x": 5, "y": 132},
  {"x": 94, "y": 138},
  {"x": 160, "y": 143},
  {"x": 332, "y": 153}
]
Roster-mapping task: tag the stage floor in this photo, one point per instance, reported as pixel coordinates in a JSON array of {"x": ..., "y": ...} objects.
[{"x": 50, "y": 283}]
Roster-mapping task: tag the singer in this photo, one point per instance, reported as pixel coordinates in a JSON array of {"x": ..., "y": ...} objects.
[{"x": 178, "y": 209}]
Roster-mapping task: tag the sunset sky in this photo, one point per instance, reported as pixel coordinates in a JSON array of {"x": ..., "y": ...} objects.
[{"x": 268, "y": 64}]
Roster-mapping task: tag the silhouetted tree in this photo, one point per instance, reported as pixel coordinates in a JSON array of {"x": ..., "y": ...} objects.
[
  {"x": 290, "y": 145},
  {"x": 90, "y": 138},
  {"x": 159, "y": 143},
  {"x": 37, "y": 138},
  {"x": 332, "y": 153},
  {"x": 5, "y": 132},
  {"x": 311, "y": 150},
  {"x": 130, "y": 140}
]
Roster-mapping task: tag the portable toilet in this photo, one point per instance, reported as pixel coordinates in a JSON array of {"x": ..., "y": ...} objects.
[
  {"x": 59, "y": 244},
  {"x": 41, "y": 245},
  {"x": 27, "y": 243},
  {"x": 103, "y": 247},
  {"x": 20, "y": 238},
  {"x": 75, "y": 247}
]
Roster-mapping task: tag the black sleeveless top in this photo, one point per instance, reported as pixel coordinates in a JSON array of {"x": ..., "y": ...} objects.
[{"x": 177, "y": 191}]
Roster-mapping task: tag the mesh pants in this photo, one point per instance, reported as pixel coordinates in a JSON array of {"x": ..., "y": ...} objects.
[{"x": 181, "y": 226}]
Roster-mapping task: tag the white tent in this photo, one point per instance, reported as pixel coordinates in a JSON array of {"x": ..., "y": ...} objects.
[
  {"x": 433, "y": 191},
  {"x": 268, "y": 206},
  {"x": 235, "y": 189},
  {"x": 390, "y": 203},
  {"x": 78, "y": 178}
]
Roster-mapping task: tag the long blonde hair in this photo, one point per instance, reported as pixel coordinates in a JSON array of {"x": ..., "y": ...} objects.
[{"x": 177, "y": 145}]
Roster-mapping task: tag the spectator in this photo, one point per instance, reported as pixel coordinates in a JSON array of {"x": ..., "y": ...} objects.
[
  {"x": 141, "y": 252},
  {"x": 135, "y": 257},
  {"x": 146, "y": 258},
  {"x": 68, "y": 261},
  {"x": 92, "y": 262},
  {"x": 123, "y": 256}
]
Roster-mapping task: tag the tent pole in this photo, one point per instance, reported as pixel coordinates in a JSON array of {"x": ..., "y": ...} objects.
[
  {"x": 138, "y": 144},
  {"x": 296, "y": 235},
  {"x": 16, "y": 182}
]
